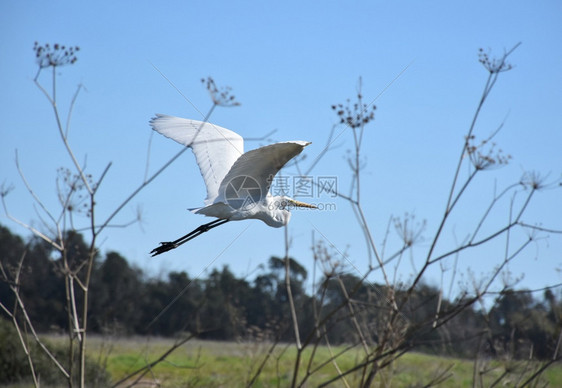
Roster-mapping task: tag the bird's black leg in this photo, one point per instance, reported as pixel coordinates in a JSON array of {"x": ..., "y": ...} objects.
[{"x": 169, "y": 245}]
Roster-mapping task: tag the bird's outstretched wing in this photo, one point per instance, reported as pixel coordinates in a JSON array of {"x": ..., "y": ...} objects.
[
  {"x": 215, "y": 148},
  {"x": 259, "y": 167}
]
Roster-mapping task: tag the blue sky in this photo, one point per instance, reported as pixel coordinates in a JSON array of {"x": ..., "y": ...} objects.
[{"x": 287, "y": 64}]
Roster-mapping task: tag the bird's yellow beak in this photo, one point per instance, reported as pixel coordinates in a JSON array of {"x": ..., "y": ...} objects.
[{"x": 301, "y": 204}]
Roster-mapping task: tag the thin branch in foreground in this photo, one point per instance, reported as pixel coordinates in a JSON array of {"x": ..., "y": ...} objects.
[
  {"x": 262, "y": 364},
  {"x": 22, "y": 307},
  {"x": 149, "y": 366}
]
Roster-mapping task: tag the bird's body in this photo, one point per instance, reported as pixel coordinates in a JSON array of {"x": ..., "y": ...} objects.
[
  {"x": 237, "y": 183},
  {"x": 270, "y": 210}
]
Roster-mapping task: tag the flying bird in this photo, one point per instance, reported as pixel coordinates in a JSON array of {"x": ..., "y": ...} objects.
[{"x": 237, "y": 183}]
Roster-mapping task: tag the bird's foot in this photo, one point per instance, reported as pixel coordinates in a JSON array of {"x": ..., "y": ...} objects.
[{"x": 164, "y": 247}]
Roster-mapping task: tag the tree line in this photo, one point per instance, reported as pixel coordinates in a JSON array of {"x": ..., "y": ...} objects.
[{"x": 222, "y": 306}]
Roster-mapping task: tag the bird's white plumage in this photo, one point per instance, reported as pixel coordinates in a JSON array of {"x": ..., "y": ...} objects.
[
  {"x": 237, "y": 183},
  {"x": 220, "y": 155},
  {"x": 215, "y": 148},
  {"x": 262, "y": 164}
]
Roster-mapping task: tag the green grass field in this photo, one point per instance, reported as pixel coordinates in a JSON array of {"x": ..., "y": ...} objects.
[{"x": 228, "y": 364}]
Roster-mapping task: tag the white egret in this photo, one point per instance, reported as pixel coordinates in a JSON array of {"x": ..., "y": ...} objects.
[{"x": 237, "y": 183}]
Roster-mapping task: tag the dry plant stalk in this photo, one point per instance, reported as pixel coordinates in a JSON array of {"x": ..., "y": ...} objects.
[
  {"x": 393, "y": 334},
  {"x": 77, "y": 196}
]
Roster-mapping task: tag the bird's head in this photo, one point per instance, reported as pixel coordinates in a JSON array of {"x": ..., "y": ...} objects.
[{"x": 279, "y": 209}]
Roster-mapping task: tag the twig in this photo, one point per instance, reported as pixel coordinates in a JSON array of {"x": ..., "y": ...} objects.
[
  {"x": 262, "y": 364},
  {"x": 147, "y": 181},
  {"x": 150, "y": 365}
]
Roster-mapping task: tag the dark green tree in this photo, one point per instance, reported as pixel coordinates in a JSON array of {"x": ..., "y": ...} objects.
[{"x": 116, "y": 296}]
